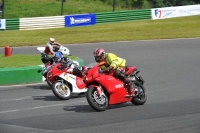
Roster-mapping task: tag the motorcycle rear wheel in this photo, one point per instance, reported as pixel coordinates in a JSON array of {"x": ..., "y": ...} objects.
[
  {"x": 61, "y": 91},
  {"x": 96, "y": 102},
  {"x": 141, "y": 98}
]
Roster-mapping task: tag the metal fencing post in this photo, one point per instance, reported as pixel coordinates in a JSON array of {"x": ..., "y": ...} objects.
[
  {"x": 2, "y": 9},
  {"x": 62, "y": 6},
  {"x": 114, "y": 2}
]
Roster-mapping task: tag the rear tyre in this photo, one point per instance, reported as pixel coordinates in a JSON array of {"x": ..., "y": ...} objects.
[
  {"x": 61, "y": 91},
  {"x": 98, "y": 103},
  {"x": 141, "y": 98}
]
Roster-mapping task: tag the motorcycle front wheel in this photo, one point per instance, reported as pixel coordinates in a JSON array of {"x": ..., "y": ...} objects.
[
  {"x": 98, "y": 103},
  {"x": 49, "y": 83},
  {"x": 61, "y": 91},
  {"x": 141, "y": 98}
]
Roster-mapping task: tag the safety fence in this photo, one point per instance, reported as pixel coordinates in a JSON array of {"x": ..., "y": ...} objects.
[
  {"x": 59, "y": 21},
  {"x": 41, "y": 22},
  {"x": 106, "y": 17},
  {"x": 12, "y": 24},
  {"x": 103, "y": 17}
]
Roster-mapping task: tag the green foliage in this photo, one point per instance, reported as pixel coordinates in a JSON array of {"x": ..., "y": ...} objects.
[{"x": 168, "y": 3}]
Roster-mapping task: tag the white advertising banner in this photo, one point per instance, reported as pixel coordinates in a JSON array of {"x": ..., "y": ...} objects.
[
  {"x": 2, "y": 24},
  {"x": 178, "y": 11}
]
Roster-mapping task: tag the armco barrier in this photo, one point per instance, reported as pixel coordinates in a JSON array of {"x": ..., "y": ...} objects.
[
  {"x": 117, "y": 16},
  {"x": 12, "y": 24},
  {"x": 20, "y": 75},
  {"x": 59, "y": 21},
  {"x": 24, "y": 75},
  {"x": 41, "y": 22}
]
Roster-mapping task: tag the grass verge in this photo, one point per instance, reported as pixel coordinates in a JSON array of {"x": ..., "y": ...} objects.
[
  {"x": 183, "y": 27},
  {"x": 19, "y": 60}
]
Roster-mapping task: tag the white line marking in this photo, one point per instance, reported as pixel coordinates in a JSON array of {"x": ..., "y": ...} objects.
[{"x": 39, "y": 107}]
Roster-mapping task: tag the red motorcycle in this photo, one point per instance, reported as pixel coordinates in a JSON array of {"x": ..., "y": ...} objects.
[{"x": 104, "y": 89}]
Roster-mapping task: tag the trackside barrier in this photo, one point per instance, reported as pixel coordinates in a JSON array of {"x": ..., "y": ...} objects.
[
  {"x": 102, "y": 17},
  {"x": 12, "y": 24},
  {"x": 2, "y": 24},
  {"x": 118, "y": 16},
  {"x": 80, "y": 20},
  {"x": 24, "y": 75},
  {"x": 41, "y": 22},
  {"x": 75, "y": 20},
  {"x": 177, "y": 11},
  {"x": 20, "y": 75}
]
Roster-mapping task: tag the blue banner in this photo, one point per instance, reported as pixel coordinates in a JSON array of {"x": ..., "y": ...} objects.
[{"x": 80, "y": 20}]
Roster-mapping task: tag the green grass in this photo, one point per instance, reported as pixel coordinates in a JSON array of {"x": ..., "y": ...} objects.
[
  {"x": 20, "y": 60},
  {"x": 39, "y": 8},
  {"x": 183, "y": 27}
]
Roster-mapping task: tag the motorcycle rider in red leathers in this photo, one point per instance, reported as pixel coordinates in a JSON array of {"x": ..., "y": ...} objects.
[
  {"x": 51, "y": 44},
  {"x": 114, "y": 63}
]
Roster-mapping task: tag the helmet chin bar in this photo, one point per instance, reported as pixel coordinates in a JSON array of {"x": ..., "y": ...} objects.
[{"x": 99, "y": 58}]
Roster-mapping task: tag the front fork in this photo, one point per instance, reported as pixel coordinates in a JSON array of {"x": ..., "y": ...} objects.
[{"x": 99, "y": 90}]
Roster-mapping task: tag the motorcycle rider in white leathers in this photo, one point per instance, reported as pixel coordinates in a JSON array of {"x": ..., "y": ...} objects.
[{"x": 51, "y": 44}]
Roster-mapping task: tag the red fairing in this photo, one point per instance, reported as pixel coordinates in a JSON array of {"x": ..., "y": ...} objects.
[
  {"x": 79, "y": 82},
  {"x": 130, "y": 69},
  {"x": 54, "y": 72},
  {"x": 92, "y": 74},
  {"x": 112, "y": 84},
  {"x": 119, "y": 97}
]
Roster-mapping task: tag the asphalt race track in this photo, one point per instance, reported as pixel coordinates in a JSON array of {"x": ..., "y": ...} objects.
[{"x": 171, "y": 69}]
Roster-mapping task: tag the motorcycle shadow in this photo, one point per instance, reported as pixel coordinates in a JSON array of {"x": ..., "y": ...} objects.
[
  {"x": 46, "y": 98},
  {"x": 52, "y": 97},
  {"x": 41, "y": 87},
  {"x": 79, "y": 108},
  {"x": 88, "y": 109}
]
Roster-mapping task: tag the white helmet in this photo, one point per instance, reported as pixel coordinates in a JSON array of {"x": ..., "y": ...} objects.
[{"x": 52, "y": 40}]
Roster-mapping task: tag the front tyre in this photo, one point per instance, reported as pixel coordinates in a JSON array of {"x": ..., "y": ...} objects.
[
  {"x": 98, "y": 103},
  {"x": 61, "y": 90},
  {"x": 49, "y": 83},
  {"x": 141, "y": 98}
]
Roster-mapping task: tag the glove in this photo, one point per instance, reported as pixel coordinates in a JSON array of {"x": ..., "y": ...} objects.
[{"x": 108, "y": 69}]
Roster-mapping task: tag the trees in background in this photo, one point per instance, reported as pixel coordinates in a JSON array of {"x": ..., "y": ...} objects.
[
  {"x": 135, "y": 4},
  {"x": 168, "y": 3}
]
